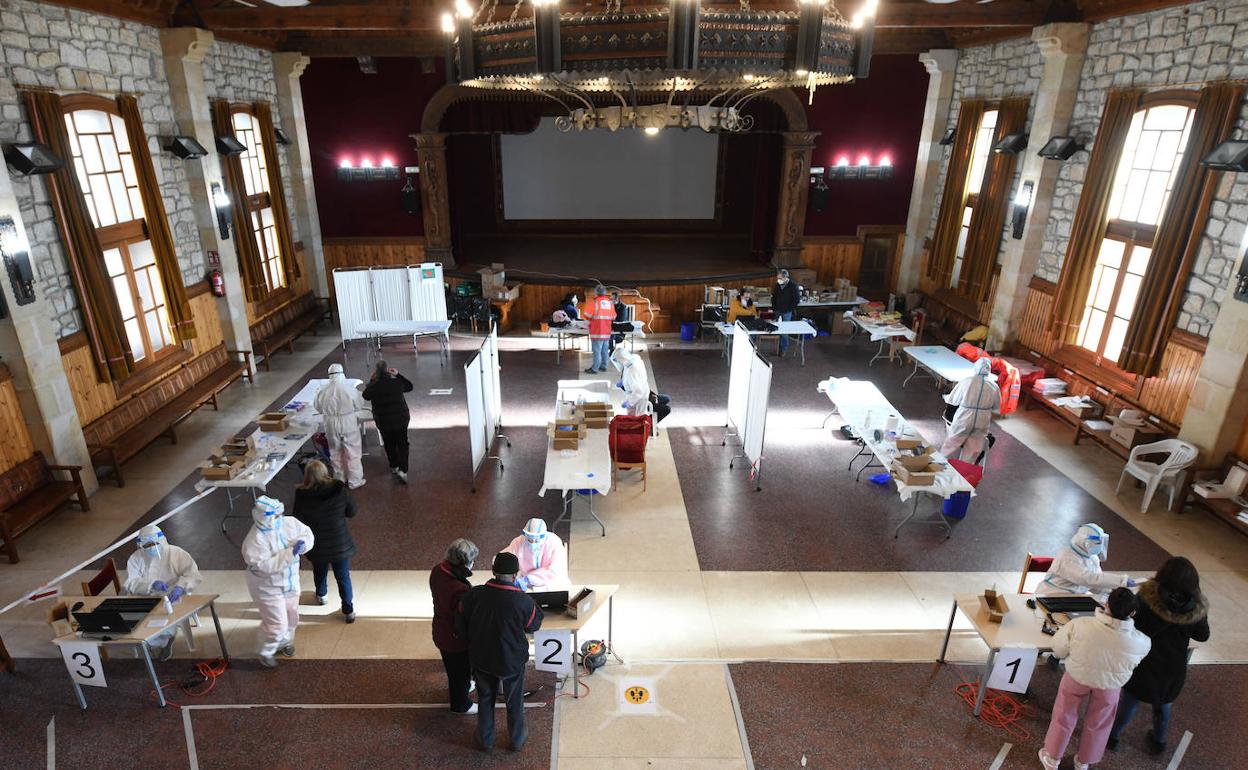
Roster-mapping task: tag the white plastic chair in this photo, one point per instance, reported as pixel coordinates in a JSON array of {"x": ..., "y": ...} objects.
[{"x": 1169, "y": 471}]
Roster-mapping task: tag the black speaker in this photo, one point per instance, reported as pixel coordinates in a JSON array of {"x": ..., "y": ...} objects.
[
  {"x": 31, "y": 159},
  {"x": 818, "y": 197},
  {"x": 410, "y": 197}
]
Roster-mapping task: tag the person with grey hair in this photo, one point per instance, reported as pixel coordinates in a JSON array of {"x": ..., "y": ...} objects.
[
  {"x": 784, "y": 301},
  {"x": 448, "y": 582}
]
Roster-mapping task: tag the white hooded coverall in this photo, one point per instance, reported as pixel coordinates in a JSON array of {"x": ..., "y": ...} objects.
[
  {"x": 273, "y": 575},
  {"x": 977, "y": 398},
  {"x": 542, "y": 555},
  {"x": 634, "y": 380},
  {"x": 1077, "y": 569},
  {"x": 170, "y": 565},
  {"x": 339, "y": 405}
]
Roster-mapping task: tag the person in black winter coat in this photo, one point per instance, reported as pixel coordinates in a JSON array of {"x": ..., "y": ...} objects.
[
  {"x": 1172, "y": 612},
  {"x": 386, "y": 392},
  {"x": 784, "y": 301},
  {"x": 324, "y": 504},
  {"x": 496, "y": 618}
]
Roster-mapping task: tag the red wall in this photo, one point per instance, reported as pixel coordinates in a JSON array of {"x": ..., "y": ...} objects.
[
  {"x": 882, "y": 114},
  {"x": 353, "y": 114}
]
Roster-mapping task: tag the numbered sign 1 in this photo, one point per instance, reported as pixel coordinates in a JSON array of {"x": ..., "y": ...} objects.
[
  {"x": 1012, "y": 668},
  {"x": 552, "y": 651},
  {"x": 83, "y": 661}
]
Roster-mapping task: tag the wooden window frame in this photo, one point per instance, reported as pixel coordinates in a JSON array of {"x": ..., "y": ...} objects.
[
  {"x": 971, "y": 199},
  {"x": 256, "y": 204},
  {"x": 1131, "y": 234},
  {"x": 121, "y": 235}
]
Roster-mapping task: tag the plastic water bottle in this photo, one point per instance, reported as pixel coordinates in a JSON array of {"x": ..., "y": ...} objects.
[{"x": 168, "y": 605}]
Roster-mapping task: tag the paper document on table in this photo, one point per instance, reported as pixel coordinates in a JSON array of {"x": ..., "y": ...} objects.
[
  {"x": 1098, "y": 425},
  {"x": 158, "y": 623}
]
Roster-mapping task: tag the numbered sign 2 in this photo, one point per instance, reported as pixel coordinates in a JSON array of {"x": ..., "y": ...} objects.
[
  {"x": 552, "y": 651},
  {"x": 83, "y": 661},
  {"x": 1012, "y": 668}
]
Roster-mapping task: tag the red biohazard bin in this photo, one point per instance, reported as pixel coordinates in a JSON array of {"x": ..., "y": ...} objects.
[{"x": 958, "y": 503}]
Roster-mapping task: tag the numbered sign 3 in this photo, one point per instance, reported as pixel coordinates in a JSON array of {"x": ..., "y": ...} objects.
[
  {"x": 552, "y": 651},
  {"x": 83, "y": 661},
  {"x": 1012, "y": 668}
]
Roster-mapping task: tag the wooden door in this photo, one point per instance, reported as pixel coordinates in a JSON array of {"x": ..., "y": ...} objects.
[{"x": 878, "y": 252}]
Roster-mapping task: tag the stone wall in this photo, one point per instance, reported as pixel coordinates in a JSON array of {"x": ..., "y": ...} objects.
[
  {"x": 241, "y": 73},
  {"x": 1002, "y": 70},
  {"x": 1176, "y": 47}
]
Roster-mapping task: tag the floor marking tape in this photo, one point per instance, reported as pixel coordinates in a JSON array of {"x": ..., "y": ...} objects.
[
  {"x": 996, "y": 763},
  {"x": 52, "y": 744},
  {"x": 328, "y": 706},
  {"x": 1180, "y": 751},
  {"x": 736, "y": 710},
  {"x": 191, "y": 755}
]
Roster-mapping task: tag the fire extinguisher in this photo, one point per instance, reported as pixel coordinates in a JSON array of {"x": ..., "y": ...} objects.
[{"x": 217, "y": 283}]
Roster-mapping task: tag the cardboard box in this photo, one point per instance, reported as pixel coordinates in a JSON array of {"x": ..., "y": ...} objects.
[
  {"x": 919, "y": 477},
  {"x": 1088, "y": 411},
  {"x": 566, "y": 434},
  {"x": 594, "y": 414},
  {"x": 994, "y": 604},
  {"x": 274, "y": 422},
  {"x": 1134, "y": 435},
  {"x": 583, "y": 603},
  {"x": 908, "y": 443},
  {"x": 220, "y": 470},
  {"x": 914, "y": 462}
]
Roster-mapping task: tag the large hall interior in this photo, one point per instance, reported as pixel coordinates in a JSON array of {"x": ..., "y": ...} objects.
[{"x": 341, "y": 342}]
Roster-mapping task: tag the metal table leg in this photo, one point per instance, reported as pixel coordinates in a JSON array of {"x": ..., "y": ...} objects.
[
  {"x": 82, "y": 698},
  {"x": 911, "y": 377},
  {"x": 940, "y": 521},
  {"x": 576, "y": 668},
  {"x": 212, "y": 607},
  {"x": 801, "y": 347},
  {"x": 983, "y": 683},
  {"x": 948, "y": 631},
  {"x": 878, "y": 353},
  {"x": 610, "y": 625},
  {"x": 147, "y": 658}
]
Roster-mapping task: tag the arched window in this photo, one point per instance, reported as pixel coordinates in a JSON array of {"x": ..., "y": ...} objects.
[
  {"x": 256, "y": 177},
  {"x": 106, "y": 171},
  {"x": 974, "y": 182},
  {"x": 1142, "y": 184}
]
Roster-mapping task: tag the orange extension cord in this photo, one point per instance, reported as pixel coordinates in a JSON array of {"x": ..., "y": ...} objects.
[
  {"x": 1000, "y": 710},
  {"x": 208, "y": 670}
]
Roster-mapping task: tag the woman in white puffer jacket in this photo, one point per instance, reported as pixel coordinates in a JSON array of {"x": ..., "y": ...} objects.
[{"x": 1100, "y": 652}]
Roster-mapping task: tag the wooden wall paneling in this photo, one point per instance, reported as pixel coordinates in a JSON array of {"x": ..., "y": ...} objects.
[
  {"x": 832, "y": 258},
  {"x": 207, "y": 324},
  {"x": 371, "y": 252},
  {"x": 15, "y": 444},
  {"x": 92, "y": 398},
  {"x": 1166, "y": 394},
  {"x": 1242, "y": 448},
  {"x": 1033, "y": 329}
]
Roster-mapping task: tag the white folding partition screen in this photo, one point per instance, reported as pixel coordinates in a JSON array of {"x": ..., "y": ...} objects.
[
  {"x": 477, "y": 430},
  {"x": 404, "y": 293},
  {"x": 739, "y": 379},
  {"x": 493, "y": 384},
  {"x": 485, "y": 403},
  {"x": 756, "y": 414}
]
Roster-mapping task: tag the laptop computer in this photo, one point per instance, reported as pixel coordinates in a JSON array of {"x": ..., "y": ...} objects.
[
  {"x": 550, "y": 600},
  {"x": 129, "y": 605},
  {"x": 1068, "y": 605},
  {"x": 105, "y": 622}
]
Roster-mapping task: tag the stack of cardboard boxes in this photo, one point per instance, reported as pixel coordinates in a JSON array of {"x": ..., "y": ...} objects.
[
  {"x": 569, "y": 429},
  {"x": 230, "y": 459}
]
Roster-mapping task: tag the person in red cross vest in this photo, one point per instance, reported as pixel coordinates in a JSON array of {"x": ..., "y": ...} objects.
[{"x": 600, "y": 312}]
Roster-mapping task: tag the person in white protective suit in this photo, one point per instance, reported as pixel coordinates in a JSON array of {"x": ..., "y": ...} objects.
[
  {"x": 633, "y": 380},
  {"x": 340, "y": 405},
  {"x": 271, "y": 551},
  {"x": 159, "y": 568},
  {"x": 1077, "y": 569},
  {"x": 977, "y": 398},
  {"x": 543, "y": 557}
]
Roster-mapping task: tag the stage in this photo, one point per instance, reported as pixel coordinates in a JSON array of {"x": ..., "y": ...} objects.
[{"x": 614, "y": 259}]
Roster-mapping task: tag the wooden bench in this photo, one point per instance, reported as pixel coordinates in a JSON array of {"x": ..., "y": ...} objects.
[
  {"x": 128, "y": 429},
  {"x": 1224, "y": 509},
  {"x": 288, "y": 323},
  {"x": 29, "y": 494},
  {"x": 944, "y": 324}
]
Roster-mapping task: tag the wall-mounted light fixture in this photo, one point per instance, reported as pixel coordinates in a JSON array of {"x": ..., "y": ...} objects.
[
  {"x": 367, "y": 171},
  {"x": 947, "y": 139},
  {"x": 32, "y": 158},
  {"x": 682, "y": 34},
  {"x": 1011, "y": 144},
  {"x": 221, "y": 203},
  {"x": 281, "y": 136},
  {"x": 1060, "y": 148},
  {"x": 17, "y": 262},
  {"x": 228, "y": 145},
  {"x": 184, "y": 147},
  {"x": 865, "y": 168},
  {"x": 1022, "y": 202},
  {"x": 1231, "y": 155}
]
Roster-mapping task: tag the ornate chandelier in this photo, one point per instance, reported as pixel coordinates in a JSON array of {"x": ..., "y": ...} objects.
[{"x": 679, "y": 65}]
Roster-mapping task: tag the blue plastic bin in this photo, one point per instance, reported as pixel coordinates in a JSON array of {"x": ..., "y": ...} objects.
[
  {"x": 955, "y": 506},
  {"x": 688, "y": 331}
]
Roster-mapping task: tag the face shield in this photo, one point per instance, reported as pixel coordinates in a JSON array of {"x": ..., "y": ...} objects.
[
  {"x": 983, "y": 367},
  {"x": 336, "y": 372},
  {"x": 535, "y": 533},
  {"x": 1091, "y": 540},
  {"x": 150, "y": 540},
  {"x": 267, "y": 512},
  {"x": 620, "y": 358}
]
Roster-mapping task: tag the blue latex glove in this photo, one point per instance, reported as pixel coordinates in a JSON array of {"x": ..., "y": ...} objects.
[
  {"x": 1131, "y": 583},
  {"x": 523, "y": 584},
  {"x": 159, "y": 587},
  {"x": 620, "y": 384},
  {"x": 300, "y": 547},
  {"x": 177, "y": 593},
  {"x": 627, "y": 405}
]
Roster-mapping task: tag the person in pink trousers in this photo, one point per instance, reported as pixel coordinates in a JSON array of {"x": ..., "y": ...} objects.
[{"x": 1100, "y": 652}]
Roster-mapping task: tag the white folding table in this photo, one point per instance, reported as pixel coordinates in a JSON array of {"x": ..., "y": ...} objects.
[
  {"x": 939, "y": 363},
  {"x": 885, "y": 333},
  {"x": 438, "y": 330},
  {"x": 783, "y": 328},
  {"x": 821, "y": 304},
  {"x": 579, "y": 329},
  {"x": 587, "y": 468},
  {"x": 866, "y": 410}
]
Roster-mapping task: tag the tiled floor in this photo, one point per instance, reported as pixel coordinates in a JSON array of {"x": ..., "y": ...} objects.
[{"x": 709, "y": 570}]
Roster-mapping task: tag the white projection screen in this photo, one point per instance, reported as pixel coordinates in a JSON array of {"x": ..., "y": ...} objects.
[{"x": 605, "y": 174}]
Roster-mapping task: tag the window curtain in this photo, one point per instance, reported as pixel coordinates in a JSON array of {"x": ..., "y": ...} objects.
[
  {"x": 1091, "y": 217},
  {"x": 101, "y": 314},
  {"x": 176, "y": 304},
  {"x": 277, "y": 193},
  {"x": 255, "y": 288},
  {"x": 1179, "y": 233},
  {"x": 983, "y": 240},
  {"x": 953, "y": 201}
]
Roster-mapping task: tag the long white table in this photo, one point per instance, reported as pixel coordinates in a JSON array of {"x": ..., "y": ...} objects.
[
  {"x": 939, "y": 363},
  {"x": 865, "y": 409},
  {"x": 1019, "y": 628},
  {"x": 275, "y": 449},
  {"x": 579, "y": 329},
  {"x": 438, "y": 330},
  {"x": 821, "y": 304},
  {"x": 783, "y": 328},
  {"x": 885, "y": 333},
  {"x": 589, "y": 467}
]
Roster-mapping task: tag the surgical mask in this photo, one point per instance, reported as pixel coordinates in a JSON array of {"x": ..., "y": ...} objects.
[
  {"x": 151, "y": 549},
  {"x": 534, "y": 541}
]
